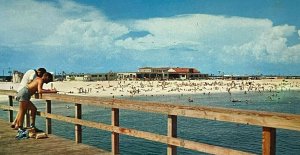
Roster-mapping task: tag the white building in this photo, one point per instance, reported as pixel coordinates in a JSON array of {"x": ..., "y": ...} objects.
[
  {"x": 77, "y": 77},
  {"x": 126, "y": 76},
  {"x": 17, "y": 77},
  {"x": 91, "y": 77}
]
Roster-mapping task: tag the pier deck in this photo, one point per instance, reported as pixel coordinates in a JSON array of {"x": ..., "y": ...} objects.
[{"x": 52, "y": 145}]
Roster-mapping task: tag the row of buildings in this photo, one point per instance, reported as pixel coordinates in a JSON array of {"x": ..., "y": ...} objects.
[{"x": 145, "y": 73}]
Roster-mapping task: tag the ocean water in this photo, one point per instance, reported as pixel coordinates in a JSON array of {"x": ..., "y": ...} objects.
[{"x": 242, "y": 137}]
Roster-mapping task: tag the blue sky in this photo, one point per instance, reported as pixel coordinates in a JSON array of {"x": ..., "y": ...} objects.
[{"x": 234, "y": 36}]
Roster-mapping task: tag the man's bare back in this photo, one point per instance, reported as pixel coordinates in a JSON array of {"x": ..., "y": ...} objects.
[{"x": 36, "y": 86}]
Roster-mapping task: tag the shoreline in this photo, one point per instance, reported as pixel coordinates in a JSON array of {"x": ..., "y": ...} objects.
[{"x": 153, "y": 88}]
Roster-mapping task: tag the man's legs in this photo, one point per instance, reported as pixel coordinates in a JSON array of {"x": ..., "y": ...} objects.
[
  {"x": 21, "y": 113},
  {"x": 22, "y": 133},
  {"x": 33, "y": 110},
  {"x": 14, "y": 124}
]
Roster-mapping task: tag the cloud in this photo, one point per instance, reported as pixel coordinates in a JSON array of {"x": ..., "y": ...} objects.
[
  {"x": 84, "y": 27},
  {"x": 23, "y": 22},
  {"x": 80, "y": 32},
  {"x": 86, "y": 34},
  {"x": 62, "y": 24},
  {"x": 270, "y": 46},
  {"x": 194, "y": 30},
  {"x": 220, "y": 35}
]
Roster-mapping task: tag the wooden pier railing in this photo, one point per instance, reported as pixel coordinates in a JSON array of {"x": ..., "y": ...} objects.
[{"x": 269, "y": 121}]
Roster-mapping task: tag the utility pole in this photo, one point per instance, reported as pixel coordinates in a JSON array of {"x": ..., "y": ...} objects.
[{"x": 9, "y": 71}]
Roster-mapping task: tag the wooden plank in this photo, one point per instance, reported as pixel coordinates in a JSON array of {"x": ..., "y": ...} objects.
[
  {"x": 172, "y": 132},
  {"x": 9, "y": 107},
  {"x": 141, "y": 134},
  {"x": 149, "y": 136},
  {"x": 52, "y": 145},
  {"x": 8, "y": 92},
  {"x": 269, "y": 141},
  {"x": 48, "y": 120},
  {"x": 27, "y": 119},
  {"x": 268, "y": 119},
  {"x": 10, "y": 112},
  {"x": 78, "y": 130},
  {"x": 115, "y": 136}
]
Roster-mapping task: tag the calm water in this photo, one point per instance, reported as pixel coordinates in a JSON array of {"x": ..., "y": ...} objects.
[{"x": 241, "y": 137}]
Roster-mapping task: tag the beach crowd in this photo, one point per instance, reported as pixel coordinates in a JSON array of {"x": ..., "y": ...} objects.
[{"x": 152, "y": 88}]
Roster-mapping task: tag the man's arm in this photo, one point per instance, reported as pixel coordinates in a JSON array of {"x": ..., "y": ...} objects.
[
  {"x": 41, "y": 90},
  {"x": 49, "y": 91}
]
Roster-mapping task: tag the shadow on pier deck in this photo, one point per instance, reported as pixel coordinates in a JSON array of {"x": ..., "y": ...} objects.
[{"x": 52, "y": 145}]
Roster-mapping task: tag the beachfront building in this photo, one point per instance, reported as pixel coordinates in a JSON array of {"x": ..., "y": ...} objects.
[
  {"x": 91, "y": 77},
  {"x": 236, "y": 77},
  {"x": 126, "y": 76},
  {"x": 172, "y": 73},
  {"x": 77, "y": 77},
  {"x": 153, "y": 73},
  {"x": 103, "y": 76},
  {"x": 17, "y": 76},
  {"x": 5, "y": 78},
  {"x": 185, "y": 73},
  {"x": 145, "y": 73}
]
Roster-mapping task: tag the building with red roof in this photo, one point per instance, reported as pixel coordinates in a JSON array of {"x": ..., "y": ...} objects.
[{"x": 164, "y": 73}]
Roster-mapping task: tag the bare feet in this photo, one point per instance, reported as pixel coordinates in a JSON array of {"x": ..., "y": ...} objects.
[{"x": 14, "y": 127}]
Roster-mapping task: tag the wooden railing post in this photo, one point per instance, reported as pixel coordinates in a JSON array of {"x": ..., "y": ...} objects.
[
  {"x": 78, "y": 129},
  {"x": 48, "y": 120},
  {"x": 115, "y": 136},
  {"x": 172, "y": 132},
  {"x": 10, "y": 112},
  {"x": 27, "y": 118},
  {"x": 269, "y": 141}
]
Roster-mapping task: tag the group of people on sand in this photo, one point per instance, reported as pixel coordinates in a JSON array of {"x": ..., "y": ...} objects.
[{"x": 31, "y": 83}]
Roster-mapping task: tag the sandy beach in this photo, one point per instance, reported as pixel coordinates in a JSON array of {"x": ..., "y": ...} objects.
[{"x": 152, "y": 88}]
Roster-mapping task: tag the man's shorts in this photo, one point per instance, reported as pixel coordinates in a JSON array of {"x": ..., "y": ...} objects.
[{"x": 23, "y": 95}]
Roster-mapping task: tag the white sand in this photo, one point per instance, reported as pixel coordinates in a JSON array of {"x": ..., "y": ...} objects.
[{"x": 130, "y": 88}]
